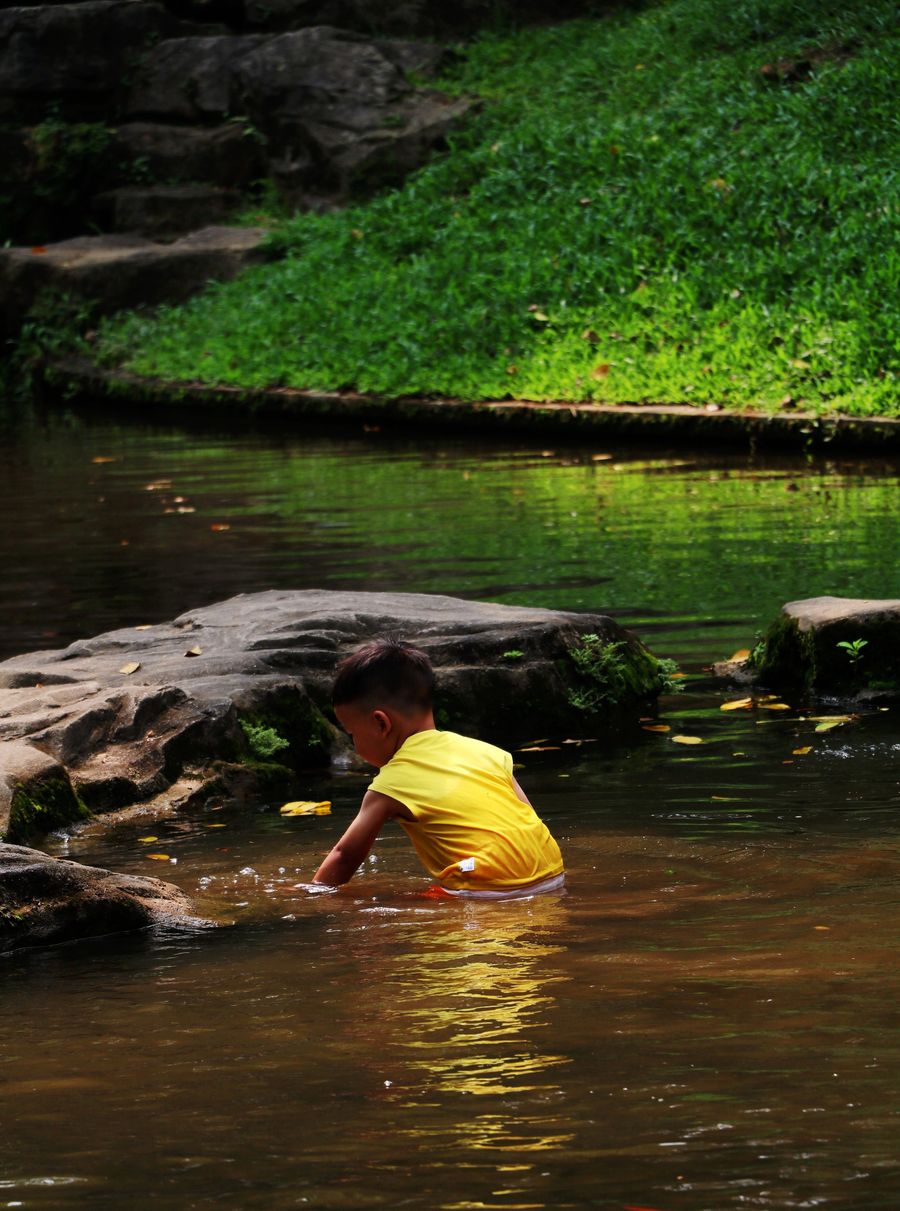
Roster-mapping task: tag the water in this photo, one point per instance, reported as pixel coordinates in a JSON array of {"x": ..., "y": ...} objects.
[{"x": 705, "y": 1021}]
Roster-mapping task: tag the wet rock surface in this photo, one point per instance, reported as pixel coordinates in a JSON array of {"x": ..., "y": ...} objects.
[
  {"x": 128, "y": 716},
  {"x": 46, "y": 900},
  {"x": 843, "y": 647}
]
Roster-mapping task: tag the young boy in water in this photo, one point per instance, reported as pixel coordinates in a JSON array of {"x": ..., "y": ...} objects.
[{"x": 471, "y": 824}]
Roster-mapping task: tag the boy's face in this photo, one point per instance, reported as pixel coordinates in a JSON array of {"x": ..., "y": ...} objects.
[{"x": 372, "y": 731}]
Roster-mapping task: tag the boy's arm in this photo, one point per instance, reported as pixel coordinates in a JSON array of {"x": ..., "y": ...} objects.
[
  {"x": 520, "y": 794},
  {"x": 353, "y": 848}
]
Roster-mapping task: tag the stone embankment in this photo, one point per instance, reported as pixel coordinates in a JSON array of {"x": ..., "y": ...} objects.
[
  {"x": 233, "y": 699},
  {"x": 122, "y": 117}
]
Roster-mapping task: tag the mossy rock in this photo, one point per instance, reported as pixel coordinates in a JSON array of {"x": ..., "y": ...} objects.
[
  {"x": 286, "y": 728},
  {"x": 41, "y": 806},
  {"x": 839, "y": 646}
]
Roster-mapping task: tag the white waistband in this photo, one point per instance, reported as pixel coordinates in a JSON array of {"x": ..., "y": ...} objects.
[{"x": 553, "y": 883}]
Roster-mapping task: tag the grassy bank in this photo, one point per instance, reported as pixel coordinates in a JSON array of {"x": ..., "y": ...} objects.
[{"x": 641, "y": 212}]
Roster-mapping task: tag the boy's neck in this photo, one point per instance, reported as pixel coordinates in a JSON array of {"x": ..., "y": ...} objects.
[{"x": 411, "y": 725}]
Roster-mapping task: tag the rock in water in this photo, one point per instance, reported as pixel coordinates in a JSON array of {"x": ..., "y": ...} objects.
[
  {"x": 236, "y": 696},
  {"x": 46, "y": 900},
  {"x": 838, "y": 646}
]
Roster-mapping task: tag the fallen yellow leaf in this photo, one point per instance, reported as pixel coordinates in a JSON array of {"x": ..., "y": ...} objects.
[
  {"x": 540, "y": 748},
  {"x": 688, "y": 740},
  {"x": 131, "y": 667},
  {"x": 147, "y": 840},
  {"x": 739, "y": 704},
  {"x": 216, "y": 826},
  {"x": 655, "y": 727},
  {"x": 827, "y": 722},
  {"x": 158, "y": 857},
  {"x": 801, "y": 752},
  {"x": 738, "y": 656},
  {"x": 306, "y": 807},
  {"x": 775, "y": 706}
]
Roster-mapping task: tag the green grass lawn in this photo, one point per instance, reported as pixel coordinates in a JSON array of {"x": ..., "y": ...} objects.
[{"x": 639, "y": 213}]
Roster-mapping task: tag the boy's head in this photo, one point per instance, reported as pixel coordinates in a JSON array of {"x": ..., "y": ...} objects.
[
  {"x": 378, "y": 690},
  {"x": 385, "y": 673}
]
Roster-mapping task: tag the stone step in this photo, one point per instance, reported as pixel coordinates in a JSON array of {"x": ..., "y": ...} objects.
[
  {"x": 117, "y": 271},
  {"x": 229, "y": 155},
  {"x": 163, "y": 212}
]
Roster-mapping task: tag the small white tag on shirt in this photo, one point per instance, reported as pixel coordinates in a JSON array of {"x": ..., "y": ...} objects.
[{"x": 467, "y": 864}]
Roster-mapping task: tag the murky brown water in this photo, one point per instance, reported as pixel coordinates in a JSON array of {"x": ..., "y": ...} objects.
[{"x": 705, "y": 1021}]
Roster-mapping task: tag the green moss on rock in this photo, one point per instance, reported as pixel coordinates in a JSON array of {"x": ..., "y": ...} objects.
[
  {"x": 610, "y": 674},
  {"x": 42, "y": 806}
]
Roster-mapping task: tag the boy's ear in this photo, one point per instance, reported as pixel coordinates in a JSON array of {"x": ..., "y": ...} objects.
[{"x": 383, "y": 721}]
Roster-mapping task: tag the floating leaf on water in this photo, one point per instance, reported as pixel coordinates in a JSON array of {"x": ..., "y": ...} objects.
[
  {"x": 775, "y": 706},
  {"x": 306, "y": 807},
  {"x": 216, "y": 826},
  {"x": 194, "y": 651},
  {"x": 801, "y": 752},
  {"x": 540, "y": 748},
  {"x": 739, "y": 704},
  {"x": 98, "y": 459},
  {"x": 824, "y": 928},
  {"x": 147, "y": 840},
  {"x": 131, "y": 667},
  {"x": 655, "y": 727},
  {"x": 688, "y": 740},
  {"x": 825, "y": 723},
  {"x": 158, "y": 857}
]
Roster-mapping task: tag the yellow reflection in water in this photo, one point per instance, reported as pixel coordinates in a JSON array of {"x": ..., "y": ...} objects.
[{"x": 468, "y": 1000}]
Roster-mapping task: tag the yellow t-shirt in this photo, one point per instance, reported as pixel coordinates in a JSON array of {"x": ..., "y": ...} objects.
[{"x": 471, "y": 830}]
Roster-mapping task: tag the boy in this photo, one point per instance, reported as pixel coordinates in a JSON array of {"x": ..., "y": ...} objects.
[{"x": 469, "y": 820}]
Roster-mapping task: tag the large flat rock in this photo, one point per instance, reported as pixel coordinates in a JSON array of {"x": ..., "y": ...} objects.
[
  {"x": 123, "y": 717},
  {"x": 46, "y": 900}
]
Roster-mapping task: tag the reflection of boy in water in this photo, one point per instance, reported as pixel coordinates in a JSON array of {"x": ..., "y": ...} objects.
[{"x": 468, "y": 819}]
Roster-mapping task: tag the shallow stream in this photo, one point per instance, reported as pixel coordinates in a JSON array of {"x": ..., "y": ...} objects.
[{"x": 706, "y": 1020}]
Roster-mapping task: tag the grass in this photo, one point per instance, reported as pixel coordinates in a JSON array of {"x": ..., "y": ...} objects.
[{"x": 638, "y": 213}]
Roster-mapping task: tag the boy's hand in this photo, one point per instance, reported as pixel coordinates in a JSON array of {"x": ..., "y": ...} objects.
[{"x": 356, "y": 843}]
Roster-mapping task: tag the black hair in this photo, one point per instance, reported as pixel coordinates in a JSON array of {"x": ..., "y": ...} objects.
[{"x": 385, "y": 672}]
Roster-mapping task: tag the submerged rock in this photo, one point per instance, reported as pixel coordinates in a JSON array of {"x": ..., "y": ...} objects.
[
  {"x": 236, "y": 696},
  {"x": 46, "y": 900},
  {"x": 842, "y": 647}
]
